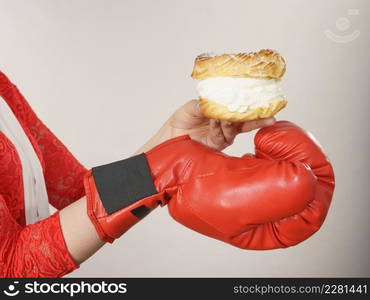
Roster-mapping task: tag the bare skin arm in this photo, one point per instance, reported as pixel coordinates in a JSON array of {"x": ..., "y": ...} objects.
[{"x": 79, "y": 233}]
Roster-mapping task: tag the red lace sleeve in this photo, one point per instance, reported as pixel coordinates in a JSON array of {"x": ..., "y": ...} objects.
[
  {"x": 63, "y": 173},
  {"x": 36, "y": 250}
]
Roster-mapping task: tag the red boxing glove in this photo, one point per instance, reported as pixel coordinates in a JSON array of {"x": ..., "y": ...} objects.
[
  {"x": 275, "y": 199},
  {"x": 120, "y": 194},
  {"x": 236, "y": 200}
]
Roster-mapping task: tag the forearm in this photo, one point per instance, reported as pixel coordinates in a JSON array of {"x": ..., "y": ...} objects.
[{"x": 79, "y": 233}]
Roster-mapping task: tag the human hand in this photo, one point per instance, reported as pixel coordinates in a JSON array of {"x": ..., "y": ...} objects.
[
  {"x": 188, "y": 119},
  {"x": 217, "y": 134}
]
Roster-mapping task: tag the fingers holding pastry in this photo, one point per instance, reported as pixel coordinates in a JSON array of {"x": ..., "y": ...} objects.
[
  {"x": 216, "y": 138},
  {"x": 230, "y": 130},
  {"x": 223, "y": 133},
  {"x": 255, "y": 124}
]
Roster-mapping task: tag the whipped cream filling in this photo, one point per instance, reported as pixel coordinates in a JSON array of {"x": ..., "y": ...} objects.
[{"x": 240, "y": 94}]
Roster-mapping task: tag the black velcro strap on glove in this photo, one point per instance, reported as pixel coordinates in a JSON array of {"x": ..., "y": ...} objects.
[{"x": 124, "y": 182}]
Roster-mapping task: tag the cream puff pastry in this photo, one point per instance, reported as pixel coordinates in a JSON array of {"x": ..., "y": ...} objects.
[{"x": 240, "y": 87}]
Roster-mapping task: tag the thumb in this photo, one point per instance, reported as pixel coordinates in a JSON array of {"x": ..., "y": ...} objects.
[{"x": 192, "y": 108}]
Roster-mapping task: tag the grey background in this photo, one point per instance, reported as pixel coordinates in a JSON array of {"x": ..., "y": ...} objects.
[{"x": 104, "y": 76}]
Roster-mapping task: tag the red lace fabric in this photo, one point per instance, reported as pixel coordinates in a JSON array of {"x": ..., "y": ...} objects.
[{"x": 39, "y": 249}]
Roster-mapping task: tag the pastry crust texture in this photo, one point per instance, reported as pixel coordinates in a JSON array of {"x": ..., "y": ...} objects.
[
  {"x": 264, "y": 64},
  {"x": 217, "y": 111}
]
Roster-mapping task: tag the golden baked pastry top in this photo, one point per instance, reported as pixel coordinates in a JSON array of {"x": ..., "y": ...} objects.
[{"x": 264, "y": 64}]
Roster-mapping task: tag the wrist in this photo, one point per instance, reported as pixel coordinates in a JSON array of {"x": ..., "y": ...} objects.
[{"x": 163, "y": 134}]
